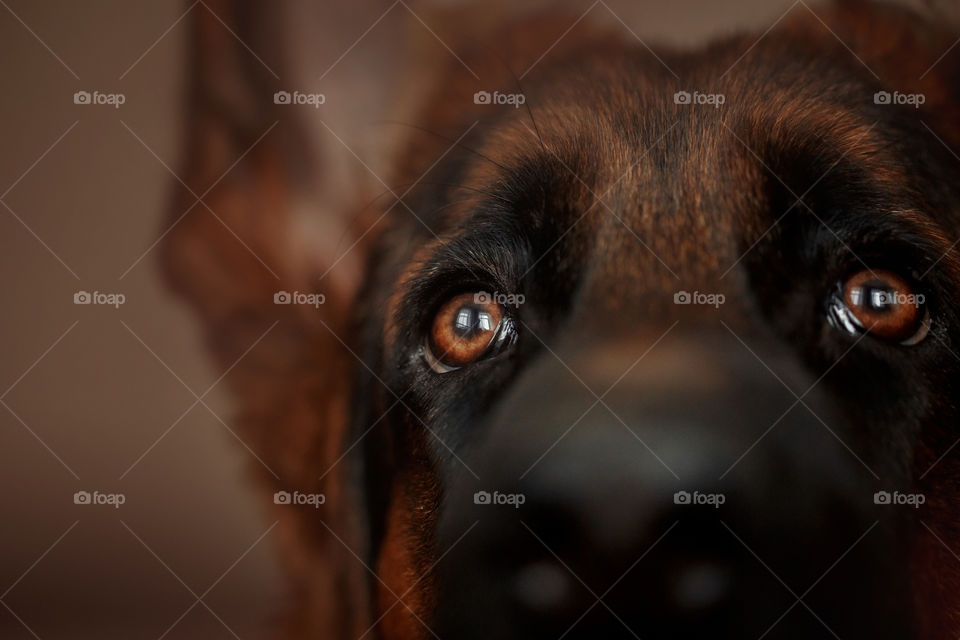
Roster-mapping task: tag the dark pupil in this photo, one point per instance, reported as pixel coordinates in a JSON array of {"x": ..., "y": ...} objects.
[
  {"x": 875, "y": 295},
  {"x": 471, "y": 321}
]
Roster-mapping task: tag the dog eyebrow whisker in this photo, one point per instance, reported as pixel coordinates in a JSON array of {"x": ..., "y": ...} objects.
[
  {"x": 448, "y": 140},
  {"x": 527, "y": 107},
  {"x": 485, "y": 192}
]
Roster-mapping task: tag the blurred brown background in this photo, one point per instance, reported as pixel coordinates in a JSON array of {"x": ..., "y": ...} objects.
[
  {"x": 93, "y": 404},
  {"x": 97, "y": 398}
]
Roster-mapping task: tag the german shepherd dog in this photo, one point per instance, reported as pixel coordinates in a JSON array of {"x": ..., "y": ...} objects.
[{"x": 628, "y": 342}]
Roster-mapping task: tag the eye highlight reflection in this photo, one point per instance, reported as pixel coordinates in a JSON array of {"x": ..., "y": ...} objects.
[{"x": 470, "y": 319}]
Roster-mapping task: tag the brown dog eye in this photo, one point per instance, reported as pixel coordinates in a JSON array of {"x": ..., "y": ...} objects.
[
  {"x": 885, "y": 305},
  {"x": 467, "y": 327}
]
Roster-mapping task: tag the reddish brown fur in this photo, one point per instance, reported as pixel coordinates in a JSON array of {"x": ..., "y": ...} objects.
[{"x": 295, "y": 384}]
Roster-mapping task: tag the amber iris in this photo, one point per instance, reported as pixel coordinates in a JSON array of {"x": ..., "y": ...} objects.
[
  {"x": 464, "y": 327},
  {"x": 884, "y": 304}
]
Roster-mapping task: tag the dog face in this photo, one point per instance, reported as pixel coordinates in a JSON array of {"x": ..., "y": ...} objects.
[
  {"x": 603, "y": 393},
  {"x": 649, "y": 339}
]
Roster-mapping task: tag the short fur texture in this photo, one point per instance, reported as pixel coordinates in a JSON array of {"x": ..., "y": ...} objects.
[{"x": 598, "y": 200}]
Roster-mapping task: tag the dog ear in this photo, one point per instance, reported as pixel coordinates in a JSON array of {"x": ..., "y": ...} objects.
[{"x": 279, "y": 163}]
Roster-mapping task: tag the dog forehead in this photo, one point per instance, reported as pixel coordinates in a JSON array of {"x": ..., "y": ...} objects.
[
  {"x": 648, "y": 198},
  {"x": 653, "y": 185},
  {"x": 668, "y": 217},
  {"x": 648, "y": 182}
]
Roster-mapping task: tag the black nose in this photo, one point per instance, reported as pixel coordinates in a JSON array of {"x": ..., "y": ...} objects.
[
  {"x": 656, "y": 514},
  {"x": 621, "y": 554},
  {"x": 679, "y": 571}
]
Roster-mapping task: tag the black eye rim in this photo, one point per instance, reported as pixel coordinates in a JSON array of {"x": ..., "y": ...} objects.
[
  {"x": 505, "y": 334},
  {"x": 842, "y": 318}
]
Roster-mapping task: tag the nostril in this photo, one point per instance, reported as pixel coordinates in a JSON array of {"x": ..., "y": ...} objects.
[
  {"x": 698, "y": 586},
  {"x": 542, "y": 587}
]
